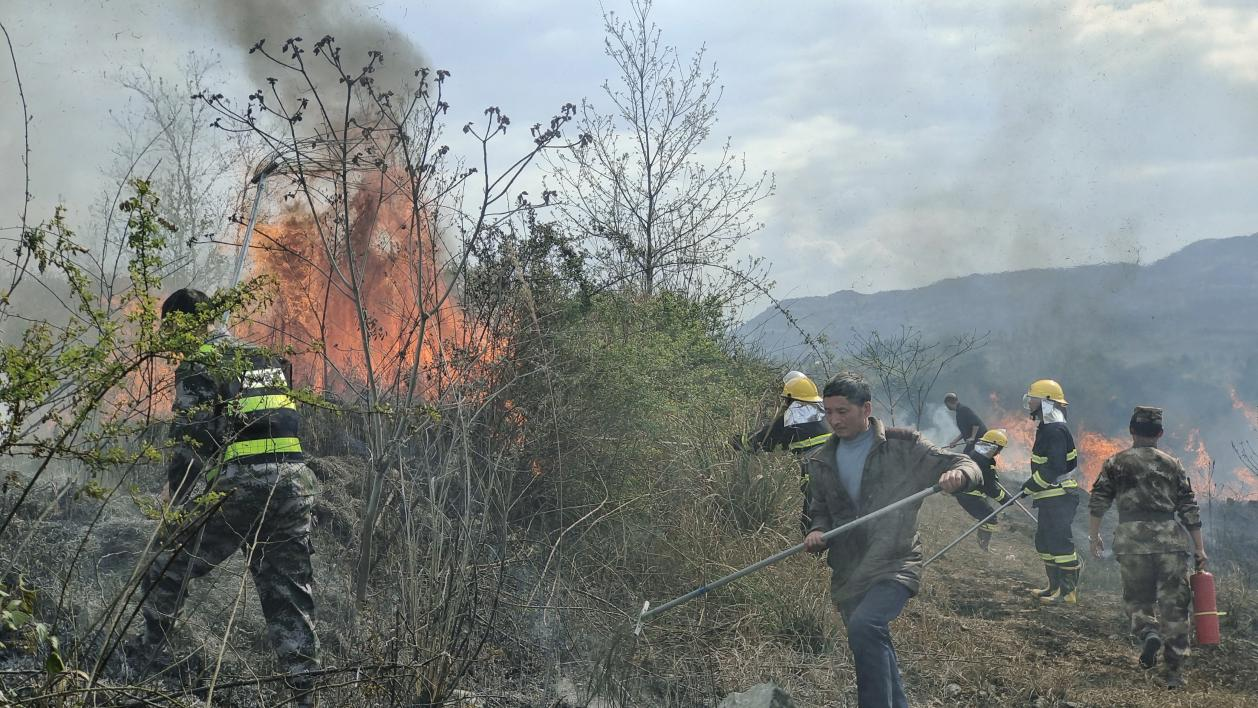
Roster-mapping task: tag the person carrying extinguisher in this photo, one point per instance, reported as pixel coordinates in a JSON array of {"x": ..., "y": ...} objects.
[{"x": 1151, "y": 488}]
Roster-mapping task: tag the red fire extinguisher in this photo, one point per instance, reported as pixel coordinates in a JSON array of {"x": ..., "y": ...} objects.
[{"x": 1205, "y": 612}]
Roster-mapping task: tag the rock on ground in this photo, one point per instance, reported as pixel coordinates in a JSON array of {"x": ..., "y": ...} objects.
[{"x": 764, "y": 695}]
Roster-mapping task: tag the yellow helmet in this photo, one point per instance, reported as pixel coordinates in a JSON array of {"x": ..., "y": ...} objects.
[
  {"x": 996, "y": 436},
  {"x": 801, "y": 388},
  {"x": 1047, "y": 388}
]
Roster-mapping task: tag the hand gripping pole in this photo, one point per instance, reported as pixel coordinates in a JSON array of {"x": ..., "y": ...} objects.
[{"x": 648, "y": 612}]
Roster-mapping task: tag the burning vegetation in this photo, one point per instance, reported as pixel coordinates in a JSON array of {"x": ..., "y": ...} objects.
[
  {"x": 375, "y": 303},
  {"x": 529, "y": 408}
]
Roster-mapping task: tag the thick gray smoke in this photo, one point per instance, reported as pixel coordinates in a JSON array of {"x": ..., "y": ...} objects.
[{"x": 356, "y": 30}]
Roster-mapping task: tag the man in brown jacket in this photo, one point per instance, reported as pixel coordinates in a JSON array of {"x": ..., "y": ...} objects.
[{"x": 875, "y": 568}]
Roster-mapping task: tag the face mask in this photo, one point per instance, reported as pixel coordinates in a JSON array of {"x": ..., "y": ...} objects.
[{"x": 985, "y": 449}]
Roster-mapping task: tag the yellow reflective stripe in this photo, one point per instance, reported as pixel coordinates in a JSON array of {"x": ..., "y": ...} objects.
[
  {"x": 1072, "y": 558},
  {"x": 977, "y": 493},
  {"x": 1073, "y": 454},
  {"x": 1046, "y": 557},
  {"x": 1069, "y": 484},
  {"x": 988, "y": 527},
  {"x": 810, "y": 442},
  {"x": 1048, "y": 493},
  {"x": 249, "y": 404},
  {"x": 261, "y": 447},
  {"x": 1035, "y": 475},
  {"x": 1038, "y": 460}
]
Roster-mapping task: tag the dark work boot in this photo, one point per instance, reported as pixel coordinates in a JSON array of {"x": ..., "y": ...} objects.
[
  {"x": 1174, "y": 679},
  {"x": 1054, "y": 582},
  {"x": 984, "y": 540},
  {"x": 1149, "y": 653},
  {"x": 145, "y": 657},
  {"x": 1067, "y": 591}
]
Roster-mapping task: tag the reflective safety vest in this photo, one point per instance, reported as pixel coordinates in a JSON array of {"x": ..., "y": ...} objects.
[
  {"x": 809, "y": 443},
  {"x": 261, "y": 418},
  {"x": 1048, "y": 477}
]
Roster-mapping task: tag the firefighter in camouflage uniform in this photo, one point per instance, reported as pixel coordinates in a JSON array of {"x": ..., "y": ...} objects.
[
  {"x": 1151, "y": 489},
  {"x": 236, "y": 427}
]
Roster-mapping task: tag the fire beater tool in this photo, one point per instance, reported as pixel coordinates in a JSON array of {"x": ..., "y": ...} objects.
[
  {"x": 1023, "y": 508},
  {"x": 649, "y": 612},
  {"x": 971, "y": 530},
  {"x": 259, "y": 179}
]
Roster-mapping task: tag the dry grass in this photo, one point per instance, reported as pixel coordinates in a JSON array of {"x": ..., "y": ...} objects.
[{"x": 973, "y": 637}]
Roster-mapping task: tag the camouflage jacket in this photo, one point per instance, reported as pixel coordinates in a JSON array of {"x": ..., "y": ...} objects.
[
  {"x": 1151, "y": 488},
  {"x": 223, "y": 405},
  {"x": 197, "y": 427},
  {"x": 899, "y": 464}
]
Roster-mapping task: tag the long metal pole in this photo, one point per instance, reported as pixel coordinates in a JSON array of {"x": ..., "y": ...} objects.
[
  {"x": 970, "y": 530},
  {"x": 647, "y": 612},
  {"x": 260, "y": 180},
  {"x": 1023, "y": 508}
]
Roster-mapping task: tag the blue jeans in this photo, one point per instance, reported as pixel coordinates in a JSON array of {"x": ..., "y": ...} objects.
[{"x": 868, "y": 618}]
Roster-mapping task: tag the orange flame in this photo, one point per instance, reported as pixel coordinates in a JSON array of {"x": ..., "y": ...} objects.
[
  {"x": 1196, "y": 455},
  {"x": 1021, "y": 431},
  {"x": 1250, "y": 413},
  {"x": 1094, "y": 448},
  {"x": 415, "y": 325},
  {"x": 1249, "y": 484}
]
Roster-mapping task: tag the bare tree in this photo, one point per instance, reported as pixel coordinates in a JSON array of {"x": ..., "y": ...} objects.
[
  {"x": 382, "y": 229},
  {"x": 195, "y": 167},
  {"x": 905, "y": 367},
  {"x": 655, "y": 214}
]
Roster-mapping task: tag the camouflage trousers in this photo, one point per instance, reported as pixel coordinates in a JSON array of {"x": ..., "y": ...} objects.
[
  {"x": 1156, "y": 597},
  {"x": 267, "y": 516}
]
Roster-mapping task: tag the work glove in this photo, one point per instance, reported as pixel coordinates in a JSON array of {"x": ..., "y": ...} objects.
[{"x": 1201, "y": 558}]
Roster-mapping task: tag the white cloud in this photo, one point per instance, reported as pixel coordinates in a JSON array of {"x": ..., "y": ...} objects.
[
  {"x": 901, "y": 134},
  {"x": 1222, "y": 38}
]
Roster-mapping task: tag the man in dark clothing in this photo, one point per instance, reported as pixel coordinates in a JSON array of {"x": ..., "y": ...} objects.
[
  {"x": 1151, "y": 488},
  {"x": 799, "y": 426},
  {"x": 969, "y": 426},
  {"x": 975, "y": 501},
  {"x": 236, "y": 427},
  {"x": 875, "y": 568},
  {"x": 1052, "y": 487}
]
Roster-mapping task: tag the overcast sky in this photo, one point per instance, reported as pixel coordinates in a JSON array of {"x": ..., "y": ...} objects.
[{"x": 911, "y": 141}]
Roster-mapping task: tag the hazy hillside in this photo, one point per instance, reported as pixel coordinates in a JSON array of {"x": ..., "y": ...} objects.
[{"x": 1177, "y": 333}]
